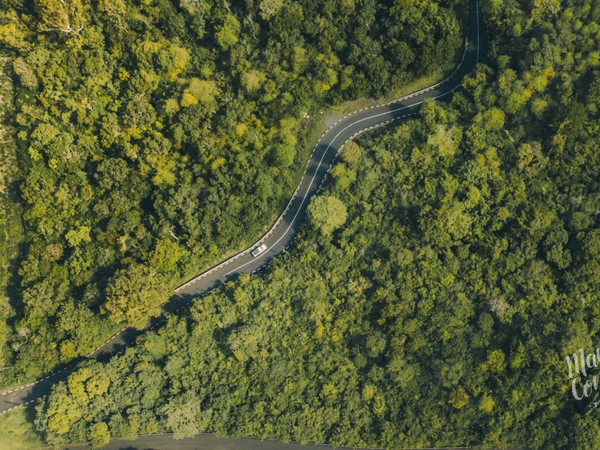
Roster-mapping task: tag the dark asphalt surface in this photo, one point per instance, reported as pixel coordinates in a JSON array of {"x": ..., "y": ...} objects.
[{"x": 283, "y": 231}]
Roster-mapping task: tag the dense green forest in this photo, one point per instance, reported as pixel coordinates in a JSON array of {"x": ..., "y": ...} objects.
[
  {"x": 435, "y": 308},
  {"x": 154, "y": 137}
]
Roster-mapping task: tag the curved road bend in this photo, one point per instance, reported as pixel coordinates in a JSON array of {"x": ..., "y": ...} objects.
[{"x": 285, "y": 228}]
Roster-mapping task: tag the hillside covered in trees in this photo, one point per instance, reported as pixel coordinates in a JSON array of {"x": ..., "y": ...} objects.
[
  {"x": 153, "y": 137},
  {"x": 435, "y": 308}
]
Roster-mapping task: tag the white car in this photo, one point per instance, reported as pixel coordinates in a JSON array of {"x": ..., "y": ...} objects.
[{"x": 258, "y": 250}]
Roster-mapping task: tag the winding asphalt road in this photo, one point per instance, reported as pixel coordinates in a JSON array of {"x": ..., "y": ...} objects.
[{"x": 285, "y": 228}]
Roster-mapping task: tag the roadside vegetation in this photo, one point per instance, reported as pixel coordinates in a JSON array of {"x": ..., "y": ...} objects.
[
  {"x": 11, "y": 230},
  {"x": 155, "y": 137},
  {"x": 17, "y": 430},
  {"x": 434, "y": 307}
]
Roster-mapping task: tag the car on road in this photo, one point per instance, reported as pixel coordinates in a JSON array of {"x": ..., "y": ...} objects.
[{"x": 258, "y": 250}]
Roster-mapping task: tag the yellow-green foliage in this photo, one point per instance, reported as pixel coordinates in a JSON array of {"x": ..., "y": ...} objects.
[{"x": 17, "y": 430}]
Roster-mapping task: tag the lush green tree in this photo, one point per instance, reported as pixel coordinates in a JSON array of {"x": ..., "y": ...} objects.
[
  {"x": 134, "y": 294},
  {"x": 99, "y": 435},
  {"x": 327, "y": 213},
  {"x": 183, "y": 417},
  {"x": 228, "y": 34},
  {"x": 64, "y": 16}
]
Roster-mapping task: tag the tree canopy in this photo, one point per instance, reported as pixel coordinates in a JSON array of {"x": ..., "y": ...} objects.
[
  {"x": 442, "y": 311},
  {"x": 164, "y": 135},
  {"x": 327, "y": 213}
]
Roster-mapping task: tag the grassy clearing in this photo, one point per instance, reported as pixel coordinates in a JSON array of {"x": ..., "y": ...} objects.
[{"x": 17, "y": 430}]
